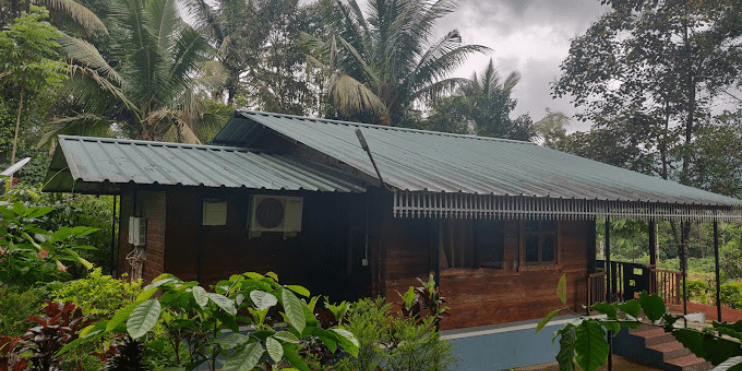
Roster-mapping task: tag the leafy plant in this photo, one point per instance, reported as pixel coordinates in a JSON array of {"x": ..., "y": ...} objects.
[
  {"x": 584, "y": 342},
  {"x": 99, "y": 295},
  {"x": 29, "y": 254},
  {"x": 206, "y": 324},
  {"x": 60, "y": 326},
  {"x": 393, "y": 343},
  {"x": 16, "y": 305},
  {"x": 427, "y": 296}
]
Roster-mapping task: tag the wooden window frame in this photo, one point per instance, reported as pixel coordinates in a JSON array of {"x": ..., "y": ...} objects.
[{"x": 540, "y": 234}]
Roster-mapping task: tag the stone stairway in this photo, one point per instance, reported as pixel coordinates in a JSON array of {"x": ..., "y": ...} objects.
[{"x": 653, "y": 346}]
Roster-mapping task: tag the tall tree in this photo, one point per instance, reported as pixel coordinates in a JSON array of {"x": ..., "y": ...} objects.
[
  {"x": 28, "y": 63},
  {"x": 380, "y": 63},
  {"x": 651, "y": 66},
  {"x": 147, "y": 86},
  {"x": 483, "y": 105}
]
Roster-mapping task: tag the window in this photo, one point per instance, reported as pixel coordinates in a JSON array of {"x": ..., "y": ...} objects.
[
  {"x": 540, "y": 241},
  {"x": 467, "y": 243},
  {"x": 489, "y": 243}
]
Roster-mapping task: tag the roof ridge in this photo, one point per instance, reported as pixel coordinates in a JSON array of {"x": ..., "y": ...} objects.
[
  {"x": 382, "y": 127},
  {"x": 157, "y": 143}
]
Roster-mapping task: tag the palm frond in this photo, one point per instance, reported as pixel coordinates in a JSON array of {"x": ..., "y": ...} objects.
[
  {"x": 104, "y": 84},
  {"x": 85, "y": 124},
  {"x": 164, "y": 21},
  {"x": 80, "y": 14},
  {"x": 350, "y": 96},
  {"x": 437, "y": 89},
  {"x": 86, "y": 54}
]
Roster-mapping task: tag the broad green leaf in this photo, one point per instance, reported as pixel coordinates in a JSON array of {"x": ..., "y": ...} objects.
[
  {"x": 347, "y": 340},
  {"x": 562, "y": 289},
  {"x": 272, "y": 275},
  {"x": 262, "y": 299},
  {"x": 653, "y": 305},
  {"x": 199, "y": 294},
  {"x": 566, "y": 354},
  {"x": 143, "y": 318},
  {"x": 287, "y": 337},
  {"x": 245, "y": 359},
  {"x": 275, "y": 349},
  {"x": 301, "y": 290},
  {"x": 223, "y": 302},
  {"x": 713, "y": 349},
  {"x": 19, "y": 208},
  {"x": 80, "y": 231},
  {"x": 289, "y": 352},
  {"x": 157, "y": 345},
  {"x": 253, "y": 275},
  {"x": 39, "y": 212},
  {"x": 232, "y": 340},
  {"x": 631, "y": 307},
  {"x": 605, "y": 308},
  {"x": 330, "y": 343},
  {"x": 591, "y": 346},
  {"x": 293, "y": 309},
  {"x": 546, "y": 319},
  {"x": 146, "y": 294}
]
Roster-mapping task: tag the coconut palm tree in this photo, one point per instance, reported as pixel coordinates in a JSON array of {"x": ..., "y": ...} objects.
[
  {"x": 383, "y": 63},
  {"x": 148, "y": 90}
]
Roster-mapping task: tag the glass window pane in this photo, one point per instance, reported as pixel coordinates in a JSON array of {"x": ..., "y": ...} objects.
[
  {"x": 532, "y": 226},
  {"x": 547, "y": 249},
  {"x": 532, "y": 248}
]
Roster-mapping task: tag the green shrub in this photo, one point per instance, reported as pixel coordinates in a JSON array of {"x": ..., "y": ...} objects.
[
  {"x": 731, "y": 294},
  {"x": 389, "y": 344},
  {"x": 99, "y": 295},
  {"x": 16, "y": 306},
  {"x": 698, "y": 291}
]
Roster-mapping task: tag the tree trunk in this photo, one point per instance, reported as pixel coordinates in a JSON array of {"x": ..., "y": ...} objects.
[{"x": 17, "y": 129}]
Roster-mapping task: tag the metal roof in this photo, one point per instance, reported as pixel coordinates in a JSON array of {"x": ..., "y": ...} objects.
[
  {"x": 414, "y": 160},
  {"x": 100, "y": 165}
]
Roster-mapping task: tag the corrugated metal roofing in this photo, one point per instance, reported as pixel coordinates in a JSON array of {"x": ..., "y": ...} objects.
[
  {"x": 88, "y": 164},
  {"x": 439, "y": 162}
]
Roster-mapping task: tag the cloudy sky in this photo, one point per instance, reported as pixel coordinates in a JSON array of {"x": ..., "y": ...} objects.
[{"x": 528, "y": 36}]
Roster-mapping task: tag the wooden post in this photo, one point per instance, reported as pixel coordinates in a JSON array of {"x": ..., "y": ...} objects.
[
  {"x": 718, "y": 280},
  {"x": 609, "y": 277},
  {"x": 608, "y": 270},
  {"x": 653, "y": 255}
]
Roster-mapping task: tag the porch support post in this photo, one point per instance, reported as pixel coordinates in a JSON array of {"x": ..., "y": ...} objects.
[
  {"x": 684, "y": 267},
  {"x": 609, "y": 278},
  {"x": 653, "y": 243},
  {"x": 114, "y": 264},
  {"x": 718, "y": 280},
  {"x": 608, "y": 275}
]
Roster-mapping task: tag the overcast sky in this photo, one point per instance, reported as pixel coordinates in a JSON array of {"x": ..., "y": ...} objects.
[{"x": 528, "y": 36}]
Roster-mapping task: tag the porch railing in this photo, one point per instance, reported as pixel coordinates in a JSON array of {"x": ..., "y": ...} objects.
[
  {"x": 629, "y": 279},
  {"x": 595, "y": 287},
  {"x": 668, "y": 285}
]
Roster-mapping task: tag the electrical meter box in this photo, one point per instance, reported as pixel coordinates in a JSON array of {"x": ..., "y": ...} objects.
[{"x": 137, "y": 230}]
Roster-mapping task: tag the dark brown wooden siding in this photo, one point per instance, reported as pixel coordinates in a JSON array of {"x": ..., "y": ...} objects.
[
  {"x": 326, "y": 256},
  {"x": 485, "y": 296}
]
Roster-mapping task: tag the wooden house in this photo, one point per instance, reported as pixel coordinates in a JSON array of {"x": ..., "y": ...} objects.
[{"x": 352, "y": 210}]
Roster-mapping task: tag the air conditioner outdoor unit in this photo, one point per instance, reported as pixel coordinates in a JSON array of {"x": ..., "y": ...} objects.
[{"x": 275, "y": 214}]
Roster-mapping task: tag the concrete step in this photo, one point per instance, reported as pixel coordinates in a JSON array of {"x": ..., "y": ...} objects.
[
  {"x": 689, "y": 363},
  {"x": 654, "y": 336},
  {"x": 670, "y": 350}
]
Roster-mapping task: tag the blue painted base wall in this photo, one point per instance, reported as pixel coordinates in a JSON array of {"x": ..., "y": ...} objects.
[{"x": 504, "y": 347}]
